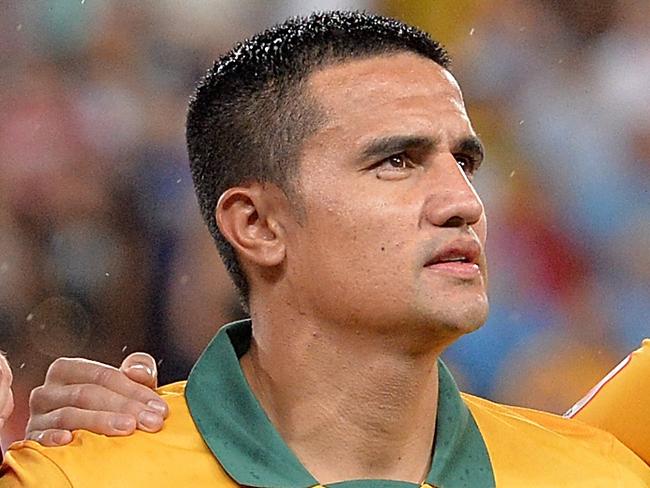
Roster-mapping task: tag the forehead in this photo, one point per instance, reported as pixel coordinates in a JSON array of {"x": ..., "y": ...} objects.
[{"x": 402, "y": 91}]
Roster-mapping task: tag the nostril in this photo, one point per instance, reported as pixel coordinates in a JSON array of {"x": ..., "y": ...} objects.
[{"x": 455, "y": 221}]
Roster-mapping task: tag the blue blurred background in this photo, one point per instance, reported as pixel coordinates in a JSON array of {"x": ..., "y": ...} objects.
[{"x": 102, "y": 250}]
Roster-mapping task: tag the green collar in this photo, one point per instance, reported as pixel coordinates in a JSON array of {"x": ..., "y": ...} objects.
[{"x": 240, "y": 435}]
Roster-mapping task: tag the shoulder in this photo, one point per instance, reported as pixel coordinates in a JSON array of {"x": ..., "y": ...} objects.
[
  {"x": 531, "y": 441},
  {"x": 526, "y": 419},
  {"x": 620, "y": 401},
  {"x": 175, "y": 456},
  {"x": 612, "y": 393}
]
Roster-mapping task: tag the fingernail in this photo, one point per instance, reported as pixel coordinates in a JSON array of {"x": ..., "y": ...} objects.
[
  {"x": 123, "y": 424},
  {"x": 158, "y": 406},
  {"x": 141, "y": 367},
  {"x": 63, "y": 437},
  {"x": 149, "y": 420}
]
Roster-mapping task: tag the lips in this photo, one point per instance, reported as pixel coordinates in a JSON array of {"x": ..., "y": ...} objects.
[{"x": 466, "y": 251}]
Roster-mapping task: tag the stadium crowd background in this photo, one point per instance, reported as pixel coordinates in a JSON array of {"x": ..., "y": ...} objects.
[{"x": 102, "y": 250}]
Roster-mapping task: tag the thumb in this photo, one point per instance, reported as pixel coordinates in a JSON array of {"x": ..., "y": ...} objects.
[{"x": 141, "y": 368}]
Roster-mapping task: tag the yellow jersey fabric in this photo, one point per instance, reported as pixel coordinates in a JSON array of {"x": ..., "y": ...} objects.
[
  {"x": 176, "y": 456},
  {"x": 218, "y": 436},
  {"x": 620, "y": 403},
  {"x": 529, "y": 448}
]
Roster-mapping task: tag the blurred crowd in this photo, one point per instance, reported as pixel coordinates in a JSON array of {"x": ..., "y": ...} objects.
[{"x": 103, "y": 252}]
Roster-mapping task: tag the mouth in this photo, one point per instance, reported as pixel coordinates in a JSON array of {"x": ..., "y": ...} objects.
[{"x": 458, "y": 258}]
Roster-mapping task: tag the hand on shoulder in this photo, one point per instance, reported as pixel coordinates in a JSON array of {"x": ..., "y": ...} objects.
[{"x": 83, "y": 394}]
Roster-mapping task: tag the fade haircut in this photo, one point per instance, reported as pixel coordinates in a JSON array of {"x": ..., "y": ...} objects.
[{"x": 251, "y": 112}]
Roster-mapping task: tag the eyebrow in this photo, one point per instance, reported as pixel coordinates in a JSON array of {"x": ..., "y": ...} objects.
[
  {"x": 470, "y": 146},
  {"x": 386, "y": 146}
]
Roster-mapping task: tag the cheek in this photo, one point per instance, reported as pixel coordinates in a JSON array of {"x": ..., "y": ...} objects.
[
  {"x": 363, "y": 259},
  {"x": 356, "y": 237},
  {"x": 481, "y": 230},
  {"x": 364, "y": 236}
]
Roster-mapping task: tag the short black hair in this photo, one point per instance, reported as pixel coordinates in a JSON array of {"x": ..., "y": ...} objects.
[{"x": 250, "y": 113}]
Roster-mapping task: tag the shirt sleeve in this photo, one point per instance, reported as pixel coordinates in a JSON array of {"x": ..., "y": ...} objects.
[
  {"x": 620, "y": 402},
  {"x": 26, "y": 467}
]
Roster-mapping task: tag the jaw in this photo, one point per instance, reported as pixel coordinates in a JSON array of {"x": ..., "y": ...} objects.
[{"x": 452, "y": 307}]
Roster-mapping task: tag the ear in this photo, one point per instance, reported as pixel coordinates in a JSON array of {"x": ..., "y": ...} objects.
[{"x": 248, "y": 217}]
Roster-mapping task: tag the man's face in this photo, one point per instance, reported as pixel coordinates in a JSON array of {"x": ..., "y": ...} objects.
[{"x": 393, "y": 232}]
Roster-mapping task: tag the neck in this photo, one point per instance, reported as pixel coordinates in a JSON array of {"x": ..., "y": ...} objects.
[{"x": 350, "y": 404}]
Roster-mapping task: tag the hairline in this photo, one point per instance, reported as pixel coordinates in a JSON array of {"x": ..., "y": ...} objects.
[{"x": 310, "y": 102}]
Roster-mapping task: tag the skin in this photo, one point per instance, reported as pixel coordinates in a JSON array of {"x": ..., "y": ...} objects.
[
  {"x": 83, "y": 394},
  {"x": 343, "y": 279},
  {"x": 6, "y": 396}
]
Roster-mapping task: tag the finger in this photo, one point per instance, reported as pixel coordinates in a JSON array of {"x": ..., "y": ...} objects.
[
  {"x": 51, "y": 437},
  {"x": 6, "y": 395},
  {"x": 45, "y": 399},
  {"x": 69, "y": 371},
  {"x": 5, "y": 370},
  {"x": 7, "y": 408},
  {"x": 72, "y": 418},
  {"x": 141, "y": 368}
]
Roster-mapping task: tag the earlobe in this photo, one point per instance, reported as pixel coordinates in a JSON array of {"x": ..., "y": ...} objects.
[{"x": 246, "y": 219}]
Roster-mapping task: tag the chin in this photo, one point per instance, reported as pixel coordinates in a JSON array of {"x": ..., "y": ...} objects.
[{"x": 456, "y": 321}]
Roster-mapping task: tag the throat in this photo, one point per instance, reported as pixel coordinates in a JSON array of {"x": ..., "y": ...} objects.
[
  {"x": 368, "y": 416},
  {"x": 345, "y": 450}
]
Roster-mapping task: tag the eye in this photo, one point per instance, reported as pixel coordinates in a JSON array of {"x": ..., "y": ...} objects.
[
  {"x": 395, "y": 167},
  {"x": 468, "y": 164},
  {"x": 398, "y": 162}
]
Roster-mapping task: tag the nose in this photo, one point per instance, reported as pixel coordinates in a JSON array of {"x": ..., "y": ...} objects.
[{"x": 451, "y": 199}]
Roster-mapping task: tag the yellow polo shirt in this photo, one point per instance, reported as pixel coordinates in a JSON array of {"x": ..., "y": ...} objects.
[
  {"x": 217, "y": 435},
  {"x": 620, "y": 403}
]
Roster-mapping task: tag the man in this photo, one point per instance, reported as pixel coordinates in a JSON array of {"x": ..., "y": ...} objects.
[{"x": 332, "y": 157}]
